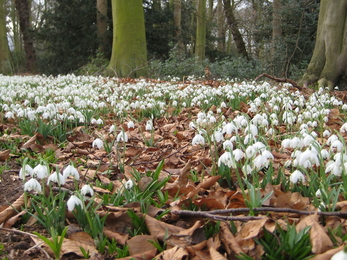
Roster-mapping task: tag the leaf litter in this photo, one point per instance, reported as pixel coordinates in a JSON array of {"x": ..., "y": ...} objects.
[{"x": 194, "y": 203}]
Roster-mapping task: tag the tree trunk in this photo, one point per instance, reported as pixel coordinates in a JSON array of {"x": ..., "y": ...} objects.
[
  {"x": 231, "y": 19},
  {"x": 329, "y": 59},
  {"x": 129, "y": 53},
  {"x": 220, "y": 27},
  {"x": 276, "y": 24},
  {"x": 200, "y": 31},
  {"x": 177, "y": 24},
  {"x": 23, "y": 9},
  {"x": 101, "y": 24},
  {"x": 5, "y": 57}
]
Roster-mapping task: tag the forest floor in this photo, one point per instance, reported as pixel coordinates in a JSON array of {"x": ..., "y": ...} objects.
[{"x": 181, "y": 204}]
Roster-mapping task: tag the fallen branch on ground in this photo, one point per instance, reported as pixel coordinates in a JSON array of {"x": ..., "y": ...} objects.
[{"x": 279, "y": 80}]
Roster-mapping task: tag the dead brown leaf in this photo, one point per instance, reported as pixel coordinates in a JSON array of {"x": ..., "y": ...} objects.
[
  {"x": 141, "y": 244},
  {"x": 4, "y": 155},
  {"x": 12, "y": 210},
  {"x": 230, "y": 243},
  {"x": 175, "y": 253},
  {"x": 160, "y": 229}
]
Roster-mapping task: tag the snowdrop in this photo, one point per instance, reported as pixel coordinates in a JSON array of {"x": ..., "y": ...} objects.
[
  {"x": 71, "y": 171},
  {"x": 217, "y": 136},
  {"x": 341, "y": 255},
  {"x": 112, "y": 129},
  {"x": 32, "y": 185},
  {"x": 57, "y": 178},
  {"x": 131, "y": 125},
  {"x": 40, "y": 171},
  {"x": 238, "y": 154},
  {"x": 228, "y": 145},
  {"x": 122, "y": 136},
  {"x": 343, "y": 128},
  {"x": 297, "y": 176},
  {"x": 98, "y": 143},
  {"x": 129, "y": 184},
  {"x": 149, "y": 126},
  {"x": 86, "y": 189},
  {"x": 227, "y": 159},
  {"x": 198, "y": 140},
  {"x": 337, "y": 144},
  {"x": 25, "y": 172},
  {"x": 72, "y": 202}
]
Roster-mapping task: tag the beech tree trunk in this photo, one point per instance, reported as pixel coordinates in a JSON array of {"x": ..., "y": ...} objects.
[
  {"x": 220, "y": 27},
  {"x": 232, "y": 22},
  {"x": 129, "y": 53},
  {"x": 177, "y": 24},
  {"x": 329, "y": 59},
  {"x": 5, "y": 58},
  {"x": 23, "y": 9},
  {"x": 101, "y": 24},
  {"x": 200, "y": 41}
]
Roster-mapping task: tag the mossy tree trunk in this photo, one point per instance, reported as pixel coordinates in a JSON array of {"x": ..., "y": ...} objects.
[
  {"x": 129, "y": 53},
  {"x": 329, "y": 60},
  {"x": 177, "y": 10},
  {"x": 5, "y": 57},
  {"x": 200, "y": 40}
]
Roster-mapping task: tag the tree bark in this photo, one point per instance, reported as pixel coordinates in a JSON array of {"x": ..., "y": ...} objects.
[
  {"x": 5, "y": 57},
  {"x": 129, "y": 53},
  {"x": 177, "y": 24},
  {"x": 23, "y": 9},
  {"x": 329, "y": 59},
  {"x": 276, "y": 24},
  {"x": 101, "y": 24},
  {"x": 232, "y": 22},
  {"x": 220, "y": 27},
  {"x": 200, "y": 31}
]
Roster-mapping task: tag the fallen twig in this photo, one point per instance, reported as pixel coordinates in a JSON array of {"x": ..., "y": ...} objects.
[
  {"x": 214, "y": 213},
  {"x": 279, "y": 80}
]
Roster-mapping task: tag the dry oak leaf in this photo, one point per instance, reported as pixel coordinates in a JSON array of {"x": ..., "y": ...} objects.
[
  {"x": 292, "y": 200},
  {"x": 121, "y": 239},
  {"x": 215, "y": 255},
  {"x": 4, "y": 155},
  {"x": 160, "y": 229},
  {"x": 327, "y": 254},
  {"x": 141, "y": 244},
  {"x": 230, "y": 243},
  {"x": 142, "y": 256},
  {"x": 175, "y": 253},
  {"x": 252, "y": 228},
  {"x": 319, "y": 239},
  {"x": 12, "y": 210}
]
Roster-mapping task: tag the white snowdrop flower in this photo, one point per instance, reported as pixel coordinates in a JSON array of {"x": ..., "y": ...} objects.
[
  {"x": 341, "y": 255},
  {"x": 57, "y": 178},
  {"x": 40, "y": 171},
  {"x": 246, "y": 169},
  {"x": 308, "y": 158},
  {"x": 25, "y": 172},
  {"x": 32, "y": 185},
  {"x": 308, "y": 139},
  {"x": 331, "y": 139},
  {"x": 318, "y": 193},
  {"x": 129, "y": 184},
  {"x": 198, "y": 140},
  {"x": 212, "y": 119},
  {"x": 112, "y": 128},
  {"x": 276, "y": 108},
  {"x": 344, "y": 107},
  {"x": 98, "y": 143},
  {"x": 217, "y": 136},
  {"x": 297, "y": 176},
  {"x": 325, "y": 154},
  {"x": 192, "y": 125},
  {"x": 314, "y": 124},
  {"x": 72, "y": 202},
  {"x": 248, "y": 139},
  {"x": 227, "y": 159},
  {"x": 227, "y": 144},
  {"x": 268, "y": 154},
  {"x": 287, "y": 164},
  {"x": 9, "y": 114},
  {"x": 223, "y": 105},
  {"x": 259, "y": 146},
  {"x": 122, "y": 136},
  {"x": 252, "y": 129},
  {"x": 250, "y": 151},
  {"x": 270, "y": 131},
  {"x": 70, "y": 170},
  {"x": 131, "y": 125},
  {"x": 337, "y": 144},
  {"x": 99, "y": 121},
  {"x": 174, "y": 103},
  {"x": 260, "y": 161},
  {"x": 238, "y": 154},
  {"x": 343, "y": 128},
  {"x": 296, "y": 142},
  {"x": 87, "y": 189},
  {"x": 285, "y": 143},
  {"x": 229, "y": 128},
  {"x": 149, "y": 125},
  {"x": 93, "y": 121}
]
